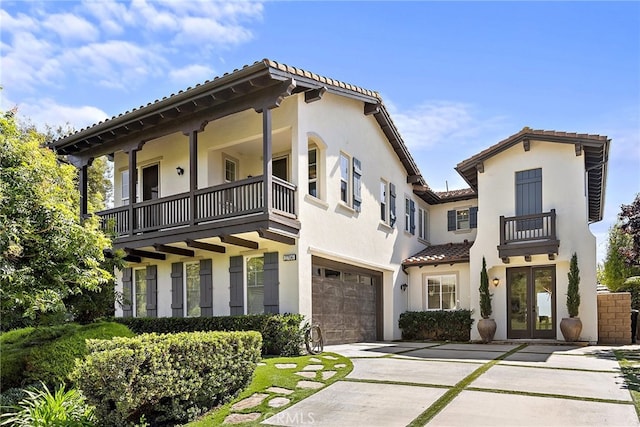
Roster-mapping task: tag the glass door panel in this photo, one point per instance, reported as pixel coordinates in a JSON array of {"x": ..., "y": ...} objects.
[
  {"x": 531, "y": 302},
  {"x": 518, "y": 303},
  {"x": 544, "y": 292}
]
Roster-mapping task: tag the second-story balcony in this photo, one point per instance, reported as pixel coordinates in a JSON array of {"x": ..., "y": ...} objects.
[
  {"x": 528, "y": 235},
  {"x": 228, "y": 208}
]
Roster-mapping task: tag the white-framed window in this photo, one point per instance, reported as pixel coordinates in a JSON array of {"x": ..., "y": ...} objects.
[
  {"x": 462, "y": 219},
  {"x": 345, "y": 178},
  {"x": 230, "y": 169},
  {"x": 313, "y": 171},
  {"x": 384, "y": 201},
  {"x": 192, "y": 289},
  {"x": 124, "y": 186},
  {"x": 423, "y": 224},
  {"x": 140, "y": 292},
  {"x": 255, "y": 285},
  {"x": 440, "y": 292},
  {"x": 409, "y": 215}
]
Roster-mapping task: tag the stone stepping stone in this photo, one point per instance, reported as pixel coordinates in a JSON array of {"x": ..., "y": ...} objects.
[
  {"x": 315, "y": 360},
  {"x": 327, "y": 374},
  {"x": 307, "y": 374},
  {"x": 313, "y": 368},
  {"x": 330, "y": 357},
  {"x": 340, "y": 365},
  {"x": 286, "y": 365},
  {"x": 309, "y": 384},
  {"x": 241, "y": 418},
  {"x": 254, "y": 400},
  {"x": 278, "y": 402},
  {"x": 280, "y": 390}
]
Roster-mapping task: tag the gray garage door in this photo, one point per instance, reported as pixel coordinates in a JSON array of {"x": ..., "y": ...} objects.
[{"x": 346, "y": 302}]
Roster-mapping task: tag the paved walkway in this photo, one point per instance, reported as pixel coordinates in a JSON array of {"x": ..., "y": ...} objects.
[{"x": 392, "y": 384}]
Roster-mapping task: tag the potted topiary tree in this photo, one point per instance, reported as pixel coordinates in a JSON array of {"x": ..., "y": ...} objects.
[
  {"x": 486, "y": 326},
  {"x": 572, "y": 326}
]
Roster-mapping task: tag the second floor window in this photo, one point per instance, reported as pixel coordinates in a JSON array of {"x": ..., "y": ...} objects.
[
  {"x": 462, "y": 219},
  {"x": 230, "y": 170},
  {"x": 384, "y": 201},
  {"x": 124, "y": 177},
  {"x": 344, "y": 177},
  {"x": 423, "y": 224},
  {"x": 409, "y": 215},
  {"x": 313, "y": 172}
]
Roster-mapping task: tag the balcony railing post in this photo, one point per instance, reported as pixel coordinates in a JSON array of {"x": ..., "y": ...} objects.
[
  {"x": 133, "y": 161},
  {"x": 193, "y": 174},
  {"x": 266, "y": 160},
  {"x": 502, "y": 227},
  {"x": 553, "y": 224}
]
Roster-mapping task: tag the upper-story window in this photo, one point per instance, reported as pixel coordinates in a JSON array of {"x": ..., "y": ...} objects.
[
  {"x": 423, "y": 224},
  {"x": 313, "y": 172},
  {"x": 462, "y": 219},
  {"x": 409, "y": 216},
  {"x": 384, "y": 201},
  {"x": 230, "y": 169},
  {"x": 124, "y": 177},
  {"x": 351, "y": 181}
]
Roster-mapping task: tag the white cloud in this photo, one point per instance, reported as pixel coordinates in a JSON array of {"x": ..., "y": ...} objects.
[
  {"x": 71, "y": 27},
  {"x": 191, "y": 74},
  {"x": 49, "y": 112},
  {"x": 20, "y": 22}
]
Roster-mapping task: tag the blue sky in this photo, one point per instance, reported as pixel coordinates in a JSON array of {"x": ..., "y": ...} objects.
[{"x": 456, "y": 76}]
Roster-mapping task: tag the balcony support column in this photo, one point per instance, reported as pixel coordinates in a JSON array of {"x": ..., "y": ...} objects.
[
  {"x": 84, "y": 193},
  {"x": 267, "y": 163},
  {"x": 133, "y": 175},
  {"x": 193, "y": 174}
]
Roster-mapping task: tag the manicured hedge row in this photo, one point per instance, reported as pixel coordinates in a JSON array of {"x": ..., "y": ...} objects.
[
  {"x": 47, "y": 353},
  {"x": 441, "y": 325},
  {"x": 281, "y": 333},
  {"x": 165, "y": 379}
]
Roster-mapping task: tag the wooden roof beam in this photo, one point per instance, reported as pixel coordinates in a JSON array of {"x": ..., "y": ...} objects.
[
  {"x": 237, "y": 241},
  {"x": 173, "y": 250},
  {"x": 145, "y": 254},
  {"x": 205, "y": 246},
  {"x": 276, "y": 237},
  {"x": 371, "y": 108},
  {"x": 314, "y": 94}
]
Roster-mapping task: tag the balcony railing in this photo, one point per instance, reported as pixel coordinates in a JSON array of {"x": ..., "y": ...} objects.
[
  {"x": 528, "y": 234},
  {"x": 230, "y": 200}
]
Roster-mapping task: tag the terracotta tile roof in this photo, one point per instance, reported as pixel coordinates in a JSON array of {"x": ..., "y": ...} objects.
[
  {"x": 452, "y": 195},
  {"x": 440, "y": 254}
]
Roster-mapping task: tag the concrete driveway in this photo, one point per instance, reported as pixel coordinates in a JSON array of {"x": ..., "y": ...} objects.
[{"x": 393, "y": 383}]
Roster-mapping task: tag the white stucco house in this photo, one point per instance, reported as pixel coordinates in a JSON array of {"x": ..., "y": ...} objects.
[{"x": 273, "y": 189}]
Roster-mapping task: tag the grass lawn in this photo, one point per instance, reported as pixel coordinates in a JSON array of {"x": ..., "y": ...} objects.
[
  {"x": 630, "y": 364},
  {"x": 268, "y": 375}
]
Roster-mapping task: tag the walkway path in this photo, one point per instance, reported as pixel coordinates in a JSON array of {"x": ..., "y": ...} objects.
[{"x": 400, "y": 384}]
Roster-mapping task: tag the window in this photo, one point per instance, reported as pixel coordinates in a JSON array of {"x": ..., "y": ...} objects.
[
  {"x": 462, "y": 219},
  {"x": 440, "y": 292},
  {"x": 140, "y": 289},
  {"x": 255, "y": 285},
  {"x": 313, "y": 172},
  {"x": 423, "y": 224},
  {"x": 409, "y": 216},
  {"x": 192, "y": 288},
  {"x": 344, "y": 177},
  {"x": 230, "y": 170},
  {"x": 383, "y": 201},
  {"x": 124, "y": 176}
]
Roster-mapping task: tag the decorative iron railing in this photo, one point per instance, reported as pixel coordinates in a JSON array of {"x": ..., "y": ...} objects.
[{"x": 526, "y": 228}]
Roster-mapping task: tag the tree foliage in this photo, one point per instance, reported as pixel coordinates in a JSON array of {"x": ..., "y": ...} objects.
[
  {"x": 615, "y": 270},
  {"x": 46, "y": 254},
  {"x": 485, "y": 296},
  {"x": 630, "y": 225},
  {"x": 573, "y": 290}
]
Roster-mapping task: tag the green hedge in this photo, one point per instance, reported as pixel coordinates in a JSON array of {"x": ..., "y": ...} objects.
[
  {"x": 439, "y": 325},
  {"x": 281, "y": 333},
  {"x": 165, "y": 379},
  {"x": 47, "y": 354}
]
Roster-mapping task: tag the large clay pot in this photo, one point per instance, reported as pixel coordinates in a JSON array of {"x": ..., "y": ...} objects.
[
  {"x": 571, "y": 328},
  {"x": 487, "y": 329}
]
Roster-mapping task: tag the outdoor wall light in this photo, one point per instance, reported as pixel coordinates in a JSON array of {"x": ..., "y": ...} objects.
[
  {"x": 403, "y": 287},
  {"x": 180, "y": 170},
  {"x": 496, "y": 282}
]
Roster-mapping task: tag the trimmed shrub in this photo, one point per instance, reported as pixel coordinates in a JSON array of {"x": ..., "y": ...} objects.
[
  {"x": 47, "y": 354},
  {"x": 166, "y": 379},
  {"x": 281, "y": 333},
  {"x": 439, "y": 325}
]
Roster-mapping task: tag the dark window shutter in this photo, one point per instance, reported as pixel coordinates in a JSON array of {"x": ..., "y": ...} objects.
[
  {"x": 451, "y": 220},
  {"x": 271, "y": 283},
  {"x": 473, "y": 217},
  {"x": 177, "y": 290},
  {"x": 206, "y": 287},
  {"x": 357, "y": 185},
  {"x": 127, "y": 292},
  {"x": 152, "y": 291},
  {"x": 412, "y": 217},
  {"x": 392, "y": 205},
  {"x": 236, "y": 301},
  {"x": 529, "y": 198}
]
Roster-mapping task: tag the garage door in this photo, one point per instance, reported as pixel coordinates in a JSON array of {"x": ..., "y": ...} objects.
[{"x": 346, "y": 302}]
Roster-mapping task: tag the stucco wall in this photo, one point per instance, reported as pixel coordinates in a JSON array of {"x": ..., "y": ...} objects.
[{"x": 563, "y": 189}]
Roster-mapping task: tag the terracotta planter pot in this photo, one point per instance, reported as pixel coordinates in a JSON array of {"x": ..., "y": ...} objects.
[
  {"x": 487, "y": 329},
  {"x": 571, "y": 328}
]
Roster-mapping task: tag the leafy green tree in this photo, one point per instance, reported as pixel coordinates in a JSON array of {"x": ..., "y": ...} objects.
[
  {"x": 630, "y": 225},
  {"x": 46, "y": 254},
  {"x": 615, "y": 270}
]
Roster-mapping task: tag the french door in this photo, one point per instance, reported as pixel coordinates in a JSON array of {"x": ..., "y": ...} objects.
[{"x": 531, "y": 302}]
